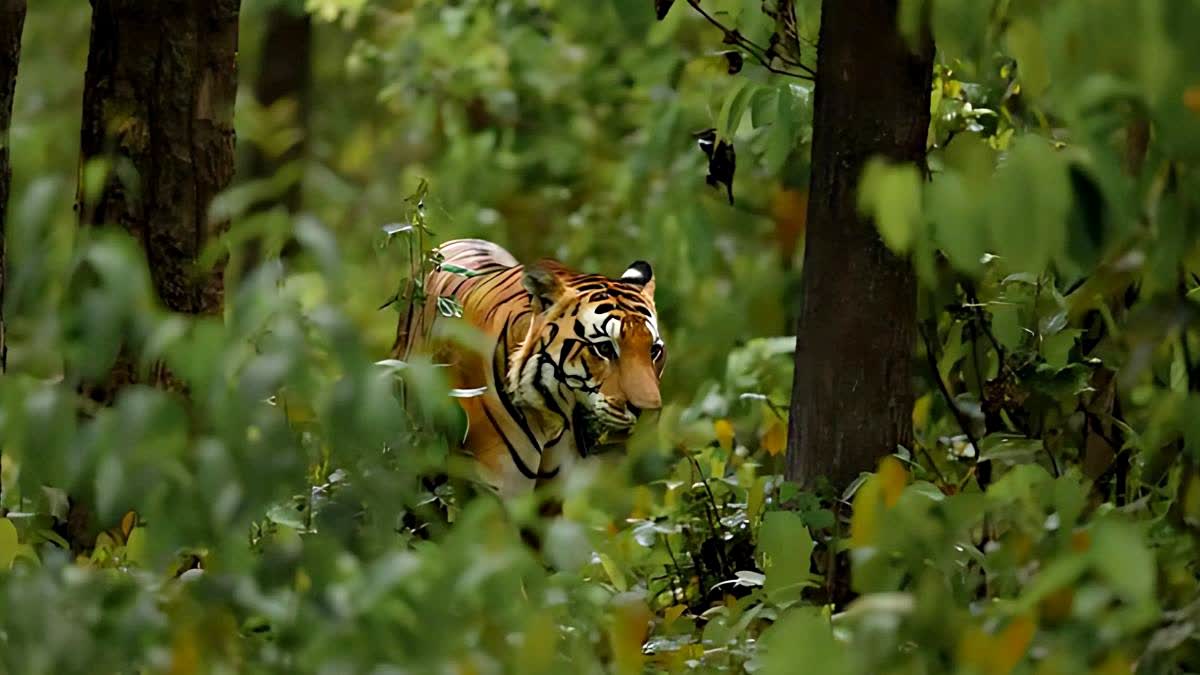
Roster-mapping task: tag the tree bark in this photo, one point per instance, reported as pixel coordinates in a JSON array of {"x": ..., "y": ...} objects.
[
  {"x": 852, "y": 394},
  {"x": 158, "y": 107},
  {"x": 12, "y": 22}
]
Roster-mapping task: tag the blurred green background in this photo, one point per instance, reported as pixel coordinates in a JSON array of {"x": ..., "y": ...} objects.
[{"x": 280, "y": 519}]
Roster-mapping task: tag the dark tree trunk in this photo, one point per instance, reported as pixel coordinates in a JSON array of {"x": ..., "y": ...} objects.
[
  {"x": 12, "y": 22},
  {"x": 158, "y": 105},
  {"x": 852, "y": 396}
]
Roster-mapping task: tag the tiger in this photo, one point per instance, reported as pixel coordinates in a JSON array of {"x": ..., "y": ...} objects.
[{"x": 569, "y": 361}]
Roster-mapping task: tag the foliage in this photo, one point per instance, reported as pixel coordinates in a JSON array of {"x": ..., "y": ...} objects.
[{"x": 285, "y": 516}]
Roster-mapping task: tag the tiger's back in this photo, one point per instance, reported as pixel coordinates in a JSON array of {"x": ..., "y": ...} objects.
[{"x": 496, "y": 272}]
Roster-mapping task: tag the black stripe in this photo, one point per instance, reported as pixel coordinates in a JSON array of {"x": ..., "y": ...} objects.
[
  {"x": 502, "y": 394},
  {"x": 461, "y": 280},
  {"x": 547, "y": 397},
  {"x": 503, "y": 302},
  {"x": 512, "y": 452}
]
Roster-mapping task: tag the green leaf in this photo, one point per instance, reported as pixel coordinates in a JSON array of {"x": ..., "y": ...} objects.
[
  {"x": 781, "y": 139},
  {"x": 957, "y": 230},
  {"x": 456, "y": 269},
  {"x": 754, "y": 23},
  {"x": 764, "y": 107},
  {"x": 1120, "y": 555},
  {"x": 1057, "y": 347},
  {"x": 449, "y": 307},
  {"x": 1027, "y": 206},
  {"x": 8, "y": 543},
  {"x": 736, "y": 102},
  {"x": 1062, "y": 573},
  {"x": 803, "y": 636},
  {"x": 135, "y": 547},
  {"x": 972, "y": 158},
  {"x": 785, "y": 548},
  {"x": 1024, "y": 40},
  {"x": 891, "y": 195}
]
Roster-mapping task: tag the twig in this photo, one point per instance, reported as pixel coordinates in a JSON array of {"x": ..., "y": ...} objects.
[
  {"x": 975, "y": 358},
  {"x": 678, "y": 572},
  {"x": 933, "y": 465},
  {"x": 984, "y": 326},
  {"x": 937, "y": 377},
  {"x": 732, "y": 36},
  {"x": 714, "y": 517}
]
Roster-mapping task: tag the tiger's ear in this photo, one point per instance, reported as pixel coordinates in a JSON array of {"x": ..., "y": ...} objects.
[
  {"x": 545, "y": 281},
  {"x": 639, "y": 273}
]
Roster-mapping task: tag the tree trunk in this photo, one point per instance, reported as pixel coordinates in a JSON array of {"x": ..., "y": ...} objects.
[
  {"x": 852, "y": 396},
  {"x": 158, "y": 106},
  {"x": 12, "y": 22}
]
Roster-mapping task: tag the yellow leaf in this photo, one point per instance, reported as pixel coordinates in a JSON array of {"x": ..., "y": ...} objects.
[
  {"x": 1056, "y": 607},
  {"x": 976, "y": 650},
  {"x": 717, "y": 463},
  {"x": 1191, "y": 98},
  {"x": 775, "y": 439},
  {"x": 128, "y": 522},
  {"x": 864, "y": 524},
  {"x": 724, "y": 431},
  {"x": 538, "y": 648},
  {"x": 8, "y": 543},
  {"x": 185, "y": 653},
  {"x": 756, "y": 498},
  {"x": 643, "y": 502},
  {"x": 1115, "y": 664},
  {"x": 9, "y": 470},
  {"x": 671, "y": 614},
  {"x": 1081, "y": 541},
  {"x": 996, "y": 654},
  {"x": 627, "y": 632},
  {"x": 1011, "y": 645},
  {"x": 615, "y": 575},
  {"x": 893, "y": 478},
  {"x": 1191, "y": 500},
  {"x": 303, "y": 581},
  {"x": 104, "y": 542},
  {"x": 921, "y": 410}
]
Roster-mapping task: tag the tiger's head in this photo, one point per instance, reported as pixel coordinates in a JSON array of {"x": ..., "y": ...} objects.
[{"x": 593, "y": 355}]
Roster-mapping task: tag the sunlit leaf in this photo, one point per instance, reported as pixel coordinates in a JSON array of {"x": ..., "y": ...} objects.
[
  {"x": 891, "y": 194},
  {"x": 8, "y": 543}
]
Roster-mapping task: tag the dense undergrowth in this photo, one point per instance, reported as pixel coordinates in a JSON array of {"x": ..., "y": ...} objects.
[{"x": 286, "y": 513}]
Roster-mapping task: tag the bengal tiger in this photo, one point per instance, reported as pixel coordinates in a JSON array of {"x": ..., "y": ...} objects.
[{"x": 571, "y": 359}]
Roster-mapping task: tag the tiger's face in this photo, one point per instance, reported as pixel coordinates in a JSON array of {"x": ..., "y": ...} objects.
[{"x": 593, "y": 355}]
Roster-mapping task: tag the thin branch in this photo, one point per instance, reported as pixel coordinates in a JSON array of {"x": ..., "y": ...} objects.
[
  {"x": 682, "y": 597},
  {"x": 732, "y": 36},
  {"x": 963, "y": 423},
  {"x": 932, "y": 464},
  {"x": 984, "y": 326}
]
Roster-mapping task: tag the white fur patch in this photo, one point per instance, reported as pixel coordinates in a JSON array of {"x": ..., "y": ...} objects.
[{"x": 634, "y": 274}]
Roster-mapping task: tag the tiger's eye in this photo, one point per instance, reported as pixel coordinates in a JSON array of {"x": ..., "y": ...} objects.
[{"x": 605, "y": 350}]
